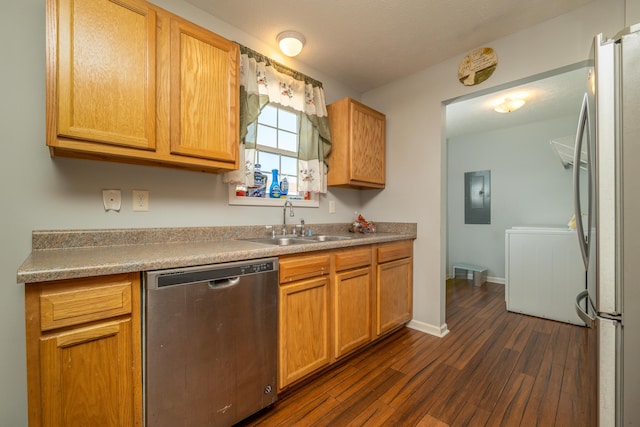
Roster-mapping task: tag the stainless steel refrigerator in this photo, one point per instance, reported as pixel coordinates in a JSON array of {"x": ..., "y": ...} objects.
[{"x": 608, "y": 220}]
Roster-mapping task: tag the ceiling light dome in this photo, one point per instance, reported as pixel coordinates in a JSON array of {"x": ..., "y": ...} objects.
[
  {"x": 290, "y": 42},
  {"x": 508, "y": 105}
]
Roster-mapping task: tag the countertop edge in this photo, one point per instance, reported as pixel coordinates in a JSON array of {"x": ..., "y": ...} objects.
[{"x": 78, "y": 262}]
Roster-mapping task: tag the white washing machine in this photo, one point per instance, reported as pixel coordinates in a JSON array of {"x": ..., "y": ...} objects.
[{"x": 543, "y": 272}]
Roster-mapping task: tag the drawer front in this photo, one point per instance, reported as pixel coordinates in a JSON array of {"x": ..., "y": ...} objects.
[
  {"x": 303, "y": 267},
  {"x": 353, "y": 258},
  {"x": 78, "y": 301},
  {"x": 397, "y": 250}
]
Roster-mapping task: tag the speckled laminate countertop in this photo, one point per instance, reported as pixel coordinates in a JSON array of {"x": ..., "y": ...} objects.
[{"x": 67, "y": 254}]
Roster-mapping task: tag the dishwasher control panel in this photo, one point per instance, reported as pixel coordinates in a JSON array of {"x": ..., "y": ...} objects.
[{"x": 207, "y": 273}]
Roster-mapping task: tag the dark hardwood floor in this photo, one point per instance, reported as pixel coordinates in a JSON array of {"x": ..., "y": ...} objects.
[{"x": 494, "y": 368}]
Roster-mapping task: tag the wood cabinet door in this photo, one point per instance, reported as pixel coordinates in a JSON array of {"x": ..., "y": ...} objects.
[
  {"x": 352, "y": 305},
  {"x": 394, "y": 293},
  {"x": 367, "y": 145},
  {"x": 88, "y": 376},
  {"x": 204, "y": 111},
  {"x": 303, "y": 327},
  {"x": 101, "y": 73}
]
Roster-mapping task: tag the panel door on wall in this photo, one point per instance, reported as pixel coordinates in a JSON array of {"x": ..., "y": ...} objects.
[
  {"x": 104, "y": 83},
  {"x": 204, "y": 93}
]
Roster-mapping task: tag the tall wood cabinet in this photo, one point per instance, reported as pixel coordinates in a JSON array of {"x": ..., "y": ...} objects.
[
  {"x": 130, "y": 82},
  {"x": 394, "y": 285},
  {"x": 83, "y": 352},
  {"x": 352, "y": 300},
  {"x": 202, "y": 68},
  {"x": 303, "y": 321},
  {"x": 357, "y": 158}
]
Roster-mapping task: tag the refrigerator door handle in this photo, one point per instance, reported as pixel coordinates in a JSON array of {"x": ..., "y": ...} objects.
[
  {"x": 589, "y": 320},
  {"x": 582, "y": 127}
]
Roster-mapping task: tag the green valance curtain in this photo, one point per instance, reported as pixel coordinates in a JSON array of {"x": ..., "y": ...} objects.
[{"x": 264, "y": 81}]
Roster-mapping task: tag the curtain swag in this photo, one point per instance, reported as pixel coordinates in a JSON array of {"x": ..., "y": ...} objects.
[{"x": 264, "y": 81}]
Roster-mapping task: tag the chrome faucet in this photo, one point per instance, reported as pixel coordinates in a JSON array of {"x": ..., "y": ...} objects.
[{"x": 284, "y": 215}]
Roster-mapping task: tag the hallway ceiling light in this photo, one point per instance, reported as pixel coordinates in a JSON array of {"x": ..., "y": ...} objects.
[
  {"x": 290, "y": 42},
  {"x": 508, "y": 105}
]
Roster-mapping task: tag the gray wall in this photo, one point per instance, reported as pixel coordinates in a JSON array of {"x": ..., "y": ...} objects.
[
  {"x": 416, "y": 157},
  {"x": 529, "y": 186},
  {"x": 43, "y": 193},
  {"x": 39, "y": 192}
]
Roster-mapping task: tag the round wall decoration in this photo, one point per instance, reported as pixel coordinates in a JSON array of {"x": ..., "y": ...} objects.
[{"x": 477, "y": 66}]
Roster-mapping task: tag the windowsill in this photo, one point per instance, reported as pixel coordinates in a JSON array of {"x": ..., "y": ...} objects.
[{"x": 267, "y": 201}]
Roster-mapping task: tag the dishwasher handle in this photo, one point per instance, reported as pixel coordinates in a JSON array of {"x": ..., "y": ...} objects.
[{"x": 228, "y": 282}]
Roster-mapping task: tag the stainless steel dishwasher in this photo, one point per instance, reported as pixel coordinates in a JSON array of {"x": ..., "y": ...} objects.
[{"x": 210, "y": 335}]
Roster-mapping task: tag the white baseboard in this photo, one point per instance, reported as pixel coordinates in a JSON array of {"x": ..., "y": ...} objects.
[
  {"x": 429, "y": 329},
  {"x": 498, "y": 280}
]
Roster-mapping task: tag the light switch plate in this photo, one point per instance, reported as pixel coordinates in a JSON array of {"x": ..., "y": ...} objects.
[{"x": 112, "y": 200}]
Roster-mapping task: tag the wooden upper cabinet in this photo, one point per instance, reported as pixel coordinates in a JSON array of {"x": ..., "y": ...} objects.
[
  {"x": 204, "y": 93},
  {"x": 130, "y": 82},
  {"x": 105, "y": 80},
  {"x": 357, "y": 158}
]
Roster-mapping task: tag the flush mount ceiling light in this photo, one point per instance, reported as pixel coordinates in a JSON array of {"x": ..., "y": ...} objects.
[
  {"x": 290, "y": 42},
  {"x": 509, "y": 104}
]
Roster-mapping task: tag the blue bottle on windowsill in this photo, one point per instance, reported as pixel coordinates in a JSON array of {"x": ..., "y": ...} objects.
[
  {"x": 284, "y": 187},
  {"x": 274, "y": 190}
]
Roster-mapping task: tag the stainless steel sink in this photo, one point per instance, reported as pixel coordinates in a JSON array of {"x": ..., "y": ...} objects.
[
  {"x": 327, "y": 238},
  {"x": 281, "y": 241},
  {"x": 297, "y": 240}
]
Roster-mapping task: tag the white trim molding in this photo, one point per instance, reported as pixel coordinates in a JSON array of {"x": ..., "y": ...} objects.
[{"x": 429, "y": 329}]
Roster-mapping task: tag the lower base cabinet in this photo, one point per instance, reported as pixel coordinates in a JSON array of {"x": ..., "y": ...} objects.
[
  {"x": 84, "y": 358},
  {"x": 394, "y": 285},
  {"x": 83, "y": 352},
  {"x": 352, "y": 299},
  {"x": 304, "y": 329},
  {"x": 335, "y": 302},
  {"x": 303, "y": 318}
]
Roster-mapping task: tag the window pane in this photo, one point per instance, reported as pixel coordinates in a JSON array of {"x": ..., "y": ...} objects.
[
  {"x": 287, "y": 141},
  {"x": 289, "y": 165},
  {"x": 293, "y": 184},
  {"x": 266, "y": 136},
  {"x": 268, "y": 161},
  {"x": 288, "y": 121},
  {"x": 269, "y": 116}
]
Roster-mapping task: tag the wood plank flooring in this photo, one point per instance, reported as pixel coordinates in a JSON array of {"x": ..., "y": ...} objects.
[{"x": 494, "y": 368}]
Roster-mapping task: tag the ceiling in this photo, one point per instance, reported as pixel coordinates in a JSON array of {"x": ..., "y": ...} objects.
[
  {"x": 546, "y": 97},
  {"x": 365, "y": 44},
  {"x": 368, "y": 43}
]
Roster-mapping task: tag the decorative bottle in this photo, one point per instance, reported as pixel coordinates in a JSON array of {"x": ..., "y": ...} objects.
[{"x": 274, "y": 190}]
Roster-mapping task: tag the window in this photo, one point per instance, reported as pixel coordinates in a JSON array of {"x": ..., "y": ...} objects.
[{"x": 276, "y": 133}]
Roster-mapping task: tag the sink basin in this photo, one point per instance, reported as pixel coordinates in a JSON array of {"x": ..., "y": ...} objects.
[
  {"x": 297, "y": 240},
  {"x": 327, "y": 238},
  {"x": 281, "y": 241}
]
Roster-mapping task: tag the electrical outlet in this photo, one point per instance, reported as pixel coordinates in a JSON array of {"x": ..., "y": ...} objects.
[
  {"x": 332, "y": 206},
  {"x": 111, "y": 199},
  {"x": 140, "y": 200}
]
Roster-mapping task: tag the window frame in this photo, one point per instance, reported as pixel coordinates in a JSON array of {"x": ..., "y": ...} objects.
[{"x": 314, "y": 200}]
